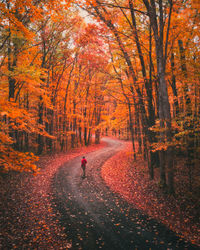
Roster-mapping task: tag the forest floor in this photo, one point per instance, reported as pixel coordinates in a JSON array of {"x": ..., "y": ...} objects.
[
  {"x": 180, "y": 213},
  {"x": 57, "y": 209},
  {"x": 27, "y": 219}
]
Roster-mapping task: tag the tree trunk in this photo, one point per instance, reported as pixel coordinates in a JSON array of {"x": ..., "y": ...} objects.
[
  {"x": 164, "y": 106},
  {"x": 97, "y": 118},
  {"x": 131, "y": 129},
  {"x": 138, "y": 126},
  {"x": 11, "y": 65},
  {"x": 40, "y": 137},
  {"x": 173, "y": 85},
  {"x": 85, "y": 136},
  {"x": 80, "y": 133},
  {"x": 97, "y": 136},
  {"x": 170, "y": 171}
]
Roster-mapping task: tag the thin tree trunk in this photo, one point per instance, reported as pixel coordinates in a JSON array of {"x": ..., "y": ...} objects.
[
  {"x": 173, "y": 85},
  {"x": 40, "y": 137},
  {"x": 131, "y": 130}
]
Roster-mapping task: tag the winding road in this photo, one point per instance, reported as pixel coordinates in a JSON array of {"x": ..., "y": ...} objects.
[{"x": 96, "y": 218}]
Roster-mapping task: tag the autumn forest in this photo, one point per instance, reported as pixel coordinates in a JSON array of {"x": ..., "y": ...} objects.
[{"x": 74, "y": 71}]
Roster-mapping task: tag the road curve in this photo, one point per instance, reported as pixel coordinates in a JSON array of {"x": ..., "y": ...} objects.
[{"x": 96, "y": 218}]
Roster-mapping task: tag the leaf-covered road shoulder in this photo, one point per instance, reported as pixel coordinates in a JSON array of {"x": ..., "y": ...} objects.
[
  {"x": 27, "y": 218},
  {"x": 130, "y": 179}
]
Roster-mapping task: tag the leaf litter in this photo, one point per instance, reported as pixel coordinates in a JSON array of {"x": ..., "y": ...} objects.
[
  {"x": 130, "y": 179},
  {"x": 27, "y": 218}
]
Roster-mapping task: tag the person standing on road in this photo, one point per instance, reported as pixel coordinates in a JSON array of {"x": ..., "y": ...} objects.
[{"x": 83, "y": 165}]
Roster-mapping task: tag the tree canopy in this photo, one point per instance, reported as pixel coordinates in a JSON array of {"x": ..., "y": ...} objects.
[{"x": 132, "y": 70}]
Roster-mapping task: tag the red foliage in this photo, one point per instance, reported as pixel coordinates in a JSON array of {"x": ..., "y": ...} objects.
[{"x": 130, "y": 179}]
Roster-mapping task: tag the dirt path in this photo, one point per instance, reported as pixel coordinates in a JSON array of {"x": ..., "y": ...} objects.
[{"x": 95, "y": 218}]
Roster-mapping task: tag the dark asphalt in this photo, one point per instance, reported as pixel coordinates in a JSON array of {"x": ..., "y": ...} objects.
[{"x": 96, "y": 218}]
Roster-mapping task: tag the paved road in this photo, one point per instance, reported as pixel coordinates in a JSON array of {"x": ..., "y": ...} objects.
[{"x": 96, "y": 218}]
